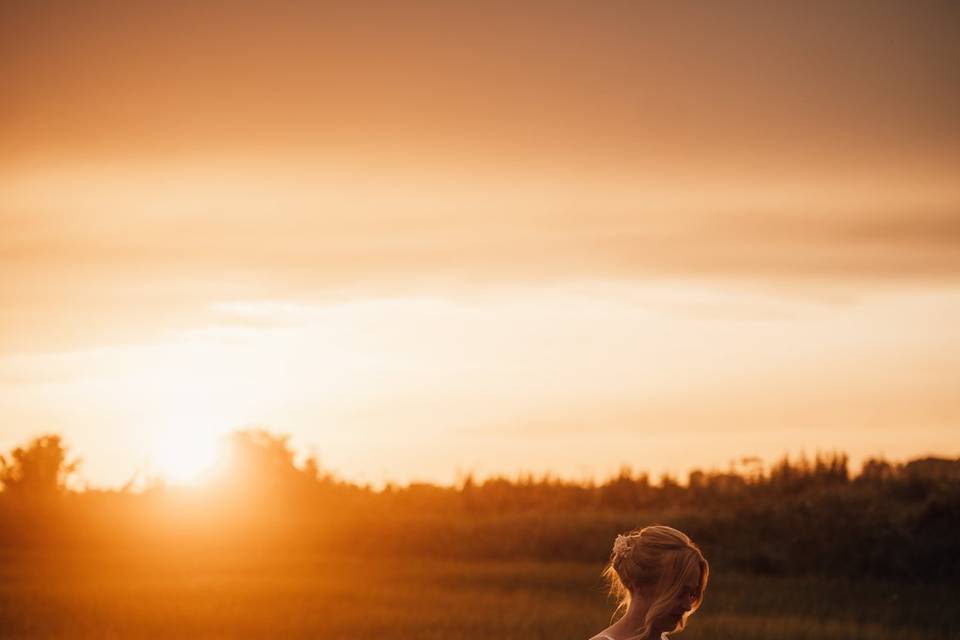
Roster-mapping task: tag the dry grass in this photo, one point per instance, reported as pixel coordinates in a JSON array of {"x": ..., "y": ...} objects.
[{"x": 84, "y": 596}]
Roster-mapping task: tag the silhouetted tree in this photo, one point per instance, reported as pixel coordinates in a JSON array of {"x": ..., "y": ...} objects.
[
  {"x": 877, "y": 470},
  {"x": 260, "y": 463},
  {"x": 38, "y": 470}
]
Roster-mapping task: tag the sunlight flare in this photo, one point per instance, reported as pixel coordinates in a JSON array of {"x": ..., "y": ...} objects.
[{"x": 187, "y": 452}]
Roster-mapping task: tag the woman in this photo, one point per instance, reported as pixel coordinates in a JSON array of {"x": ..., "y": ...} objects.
[{"x": 659, "y": 577}]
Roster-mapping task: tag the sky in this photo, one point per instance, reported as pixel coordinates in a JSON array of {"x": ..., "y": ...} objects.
[{"x": 430, "y": 238}]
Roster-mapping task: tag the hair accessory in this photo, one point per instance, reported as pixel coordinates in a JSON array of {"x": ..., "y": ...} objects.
[{"x": 621, "y": 546}]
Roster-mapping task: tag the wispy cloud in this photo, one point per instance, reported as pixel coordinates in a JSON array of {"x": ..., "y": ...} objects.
[{"x": 111, "y": 271}]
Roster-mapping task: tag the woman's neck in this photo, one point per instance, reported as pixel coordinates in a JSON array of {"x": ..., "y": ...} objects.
[{"x": 632, "y": 622}]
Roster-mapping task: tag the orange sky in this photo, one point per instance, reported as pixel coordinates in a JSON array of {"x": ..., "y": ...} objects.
[{"x": 435, "y": 236}]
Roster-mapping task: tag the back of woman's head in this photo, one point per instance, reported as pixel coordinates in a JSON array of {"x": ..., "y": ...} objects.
[{"x": 656, "y": 563}]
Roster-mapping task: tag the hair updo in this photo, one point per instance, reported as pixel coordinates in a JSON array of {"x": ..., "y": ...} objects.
[{"x": 655, "y": 561}]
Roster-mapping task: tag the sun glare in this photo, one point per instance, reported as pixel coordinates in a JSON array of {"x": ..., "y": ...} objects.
[{"x": 185, "y": 454}]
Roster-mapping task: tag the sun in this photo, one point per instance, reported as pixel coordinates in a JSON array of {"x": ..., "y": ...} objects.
[{"x": 185, "y": 453}]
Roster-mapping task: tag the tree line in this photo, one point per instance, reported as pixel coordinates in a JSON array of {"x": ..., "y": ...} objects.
[{"x": 799, "y": 515}]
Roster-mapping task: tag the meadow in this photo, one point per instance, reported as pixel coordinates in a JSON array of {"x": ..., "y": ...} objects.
[
  {"x": 803, "y": 550},
  {"x": 87, "y": 595}
]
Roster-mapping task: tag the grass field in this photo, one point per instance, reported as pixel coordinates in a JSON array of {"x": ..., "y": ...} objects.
[{"x": 84, "y": 595}]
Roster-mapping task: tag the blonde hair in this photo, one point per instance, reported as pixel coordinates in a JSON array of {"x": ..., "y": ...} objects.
[{"x": 659, "y": 559}]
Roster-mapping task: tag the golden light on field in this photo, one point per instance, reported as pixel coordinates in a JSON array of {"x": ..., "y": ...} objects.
[{"x": 346, "y": 319}]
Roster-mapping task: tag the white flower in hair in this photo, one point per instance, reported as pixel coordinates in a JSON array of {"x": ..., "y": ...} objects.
[{"x": 621, "y": 546}]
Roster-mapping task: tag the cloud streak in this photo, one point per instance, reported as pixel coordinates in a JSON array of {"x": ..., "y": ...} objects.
[{"x": 158, "y": 249}]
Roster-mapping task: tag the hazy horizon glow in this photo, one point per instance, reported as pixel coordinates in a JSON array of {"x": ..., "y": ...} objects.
[
  {"x": 501, "y": 238},
  {"x": 567, "y": 379}
]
